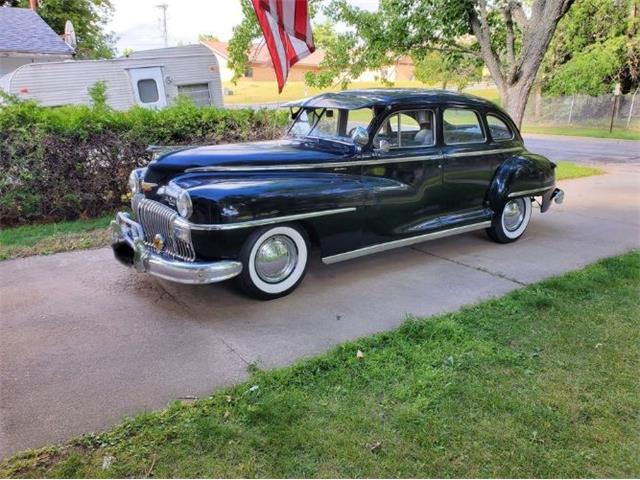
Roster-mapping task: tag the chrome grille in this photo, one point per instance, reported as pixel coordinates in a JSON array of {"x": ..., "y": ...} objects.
[{"x": 157, "y": 218}]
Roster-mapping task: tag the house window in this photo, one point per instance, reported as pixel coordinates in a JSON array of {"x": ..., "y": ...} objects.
[
  {"x": 148, "y": 90},
  {"x": 248, "y": 72},
  {"x": 462, "y": 126},
  {"x": 197, "y": 92}
]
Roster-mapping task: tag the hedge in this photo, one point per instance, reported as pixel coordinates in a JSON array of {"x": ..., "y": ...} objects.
[{"x": 73, "y": 162}]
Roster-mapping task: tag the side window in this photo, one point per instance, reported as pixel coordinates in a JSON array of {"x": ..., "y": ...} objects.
[
  {"x": 358, "y": 118},
  {"x": 407, "y": 129},
  {"x": 462, "y": 126},
  {"x": 148, "y": 90},
  {"x": 499, "y": 130},
  {"x": 327, "y": 126}
]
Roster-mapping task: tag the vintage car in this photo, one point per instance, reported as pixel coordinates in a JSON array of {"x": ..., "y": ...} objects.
[{"x": 357, "y": 172}]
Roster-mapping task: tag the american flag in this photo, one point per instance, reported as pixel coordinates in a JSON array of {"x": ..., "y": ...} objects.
[{"x": 287, "y": 32}]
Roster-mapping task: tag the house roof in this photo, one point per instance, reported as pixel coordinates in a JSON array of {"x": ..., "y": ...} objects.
[
  {"x": 259, "y": 54},
  {"x": 23, "y": 31}
]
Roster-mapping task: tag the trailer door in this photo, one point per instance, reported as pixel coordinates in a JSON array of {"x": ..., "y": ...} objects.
[{"x": 148, "y": 87}]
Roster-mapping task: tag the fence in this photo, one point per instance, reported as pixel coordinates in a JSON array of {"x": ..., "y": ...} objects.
[{"x": 585, "y": 111}]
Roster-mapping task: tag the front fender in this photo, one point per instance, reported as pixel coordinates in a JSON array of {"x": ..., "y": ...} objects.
[
  {"x": 520, "y": 173},
  {"x": 234, "y": 198},
  {"x": 231, "y": 198}
]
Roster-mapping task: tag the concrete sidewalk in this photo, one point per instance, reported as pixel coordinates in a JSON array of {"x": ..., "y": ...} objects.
[{"x": 85, "y": 341}]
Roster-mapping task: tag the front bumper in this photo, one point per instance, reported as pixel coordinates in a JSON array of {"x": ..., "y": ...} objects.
[{"x": 130, "y": 249}]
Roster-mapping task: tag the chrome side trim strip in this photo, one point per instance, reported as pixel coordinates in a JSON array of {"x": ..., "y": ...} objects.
[
  {"x": 404, "y": 242},
  {"x": 533, "y": 191},
  {"x": 475, "y": 153},
  {"x": 352, "y": 163},
  {"x": 257, "y": 223},
  {"x": 311, "y": 166}
]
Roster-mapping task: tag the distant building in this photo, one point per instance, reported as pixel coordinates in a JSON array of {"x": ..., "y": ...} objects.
[
  {"x": 26, "y": 38},
  {"x": 260, "y": 67}
]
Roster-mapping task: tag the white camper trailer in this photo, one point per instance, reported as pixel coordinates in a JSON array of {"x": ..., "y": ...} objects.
[{"x": 151, "y": 78}]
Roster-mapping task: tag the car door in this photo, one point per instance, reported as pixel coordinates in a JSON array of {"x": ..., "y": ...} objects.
[
  {"x": 469, "y": 164},
  {"x": 404, "y": 173}
]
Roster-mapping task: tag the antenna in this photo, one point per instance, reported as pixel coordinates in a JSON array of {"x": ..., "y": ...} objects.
[
  {"x": 165, "y": 35},
  {"x": 70, "y": 34}
]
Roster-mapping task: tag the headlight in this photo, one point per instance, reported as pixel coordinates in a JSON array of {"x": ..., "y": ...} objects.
[
  {"x": 183, "y": 204},
  {"x": 134, "y": 182}
]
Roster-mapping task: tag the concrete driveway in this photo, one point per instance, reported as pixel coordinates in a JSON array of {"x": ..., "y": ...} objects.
[
  {"x": 85, "y": 341},
  {"x": 584, "y": 149}
]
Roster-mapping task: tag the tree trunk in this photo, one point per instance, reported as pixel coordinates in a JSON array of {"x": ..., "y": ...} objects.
[
  {"x": 515, "y": 76},
  {"x": 515, "y": 96}
]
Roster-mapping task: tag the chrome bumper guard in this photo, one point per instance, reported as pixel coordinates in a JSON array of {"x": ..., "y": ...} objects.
[
  {"x": 553, "y": 194},
  {"x": 130, "y": 249}
]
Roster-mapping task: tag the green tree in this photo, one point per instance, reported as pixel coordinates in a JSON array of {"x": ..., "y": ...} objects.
[
  {"x": 206, "y": 37},
  {"x": 447, "y": 68},
  {"x": 509, "y": 37},
  {"x": 89, "y": 18},
  {"x": 595, "y": 47}
]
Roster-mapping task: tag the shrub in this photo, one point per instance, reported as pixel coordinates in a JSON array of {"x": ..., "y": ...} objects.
[{"x": 73, "y": 161}]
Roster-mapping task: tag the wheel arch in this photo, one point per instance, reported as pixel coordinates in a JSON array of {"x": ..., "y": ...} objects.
[{"x": 525, "y": 172}]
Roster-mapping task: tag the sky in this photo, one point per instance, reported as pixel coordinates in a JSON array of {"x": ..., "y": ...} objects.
[{"x": 137, "y": 25}]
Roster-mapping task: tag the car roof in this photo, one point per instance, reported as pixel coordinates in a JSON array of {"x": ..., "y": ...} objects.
[{"x": 365, "y": 98}]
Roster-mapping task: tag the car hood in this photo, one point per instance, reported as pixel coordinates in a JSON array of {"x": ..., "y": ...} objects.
[{"x": 277, "y": 152}]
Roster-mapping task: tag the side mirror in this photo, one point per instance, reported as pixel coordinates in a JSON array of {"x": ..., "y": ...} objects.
[
  {"x": 383, "y": 146},
  {"x": 360, "y": 136}
]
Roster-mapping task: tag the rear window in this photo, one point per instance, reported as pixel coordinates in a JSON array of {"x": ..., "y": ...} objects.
[
  {"x": 462, "y": 126},
  {"x": 498, "y": 128}
]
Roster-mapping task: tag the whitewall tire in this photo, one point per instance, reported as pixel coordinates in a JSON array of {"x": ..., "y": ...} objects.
[
  {"x": 274, "y": 261},
  {"x": 510, "y": 222}
]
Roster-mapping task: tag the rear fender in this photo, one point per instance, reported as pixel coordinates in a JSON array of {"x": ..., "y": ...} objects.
[{"x": 525, "y": 172}]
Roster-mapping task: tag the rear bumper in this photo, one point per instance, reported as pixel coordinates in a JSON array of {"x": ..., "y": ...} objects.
[
  {"x": 130, "y": 249},
  {"x": 554, "y": 194}
]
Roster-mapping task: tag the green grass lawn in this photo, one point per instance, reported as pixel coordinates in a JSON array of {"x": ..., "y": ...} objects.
[
  {"x": 58, "y": 237},
  {"x": 568, "y": 170},
  {"x": 540, "y": 383},
  {"x": 598, "y": 132},
  {"x": 49, "y": 238}
]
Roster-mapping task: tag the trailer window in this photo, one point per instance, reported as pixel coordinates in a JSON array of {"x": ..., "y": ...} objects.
[{"x": 148, "y": 90}]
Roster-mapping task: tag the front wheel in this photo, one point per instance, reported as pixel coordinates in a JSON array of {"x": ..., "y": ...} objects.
[
  {"x": 510, "y": 222},
  {"x": 274, "y": 261}
]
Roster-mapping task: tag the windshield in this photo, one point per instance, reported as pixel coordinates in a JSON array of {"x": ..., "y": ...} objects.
[{"x": 329, "y": 123}]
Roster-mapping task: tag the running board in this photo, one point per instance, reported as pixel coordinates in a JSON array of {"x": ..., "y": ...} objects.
[{"x": 404, "y": 242}]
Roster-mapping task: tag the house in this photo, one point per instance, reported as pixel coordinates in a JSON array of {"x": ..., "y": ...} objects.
[
  {"x": 151, "y": 79},
  {"x": 26, "y": 38},
  {"x": 260, "y": 67}
]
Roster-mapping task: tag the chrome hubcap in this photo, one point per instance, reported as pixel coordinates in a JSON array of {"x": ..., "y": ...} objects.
[
  {"x": 276, "y": 258},
  {"x": 513, "y": 214}
]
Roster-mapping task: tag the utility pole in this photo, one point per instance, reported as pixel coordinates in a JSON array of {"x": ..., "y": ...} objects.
[{"x": 165, "y": 35}]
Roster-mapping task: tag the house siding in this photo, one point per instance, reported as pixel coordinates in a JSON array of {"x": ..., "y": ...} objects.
[{"x": 64, "y": 83}]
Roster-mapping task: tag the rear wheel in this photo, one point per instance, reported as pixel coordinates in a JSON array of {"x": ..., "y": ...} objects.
[
  {"x": 274, "y": 261},
  {"x": 510, "y": 222}
]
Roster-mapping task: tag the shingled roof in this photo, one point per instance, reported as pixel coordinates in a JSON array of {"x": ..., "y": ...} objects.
[{"x": 23, "y": 31}]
